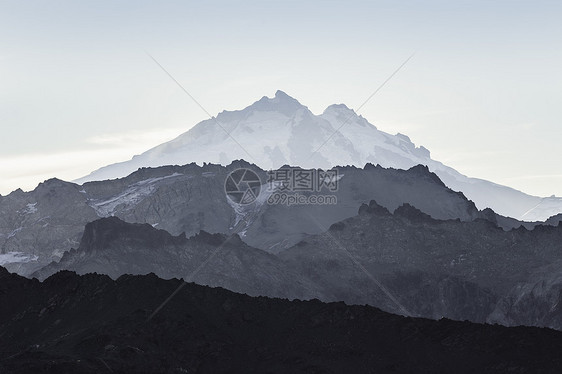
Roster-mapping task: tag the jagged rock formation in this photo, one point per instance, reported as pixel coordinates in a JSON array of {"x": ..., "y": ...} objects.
[
  {"x": 40, "y": 225},
  {"x": 434, "y": 267},
  {"x": 113, "y": 247}
]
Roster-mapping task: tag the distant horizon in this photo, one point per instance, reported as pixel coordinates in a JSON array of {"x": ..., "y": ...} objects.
[{"x": 481, "y": 93}]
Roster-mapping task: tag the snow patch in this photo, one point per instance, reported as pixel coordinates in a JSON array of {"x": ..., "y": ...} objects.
[
  {"x": 11, "y": 257},
  {"x": 133, "y": 195},
  {"x": 13, "y": 233},
  {"x": 30, "y": 208},
  {"x": 250, "y": 212}
]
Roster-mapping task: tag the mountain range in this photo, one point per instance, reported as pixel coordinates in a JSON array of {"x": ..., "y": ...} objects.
[
  {"x": 278, "y": 131},
  {"x": 96, "y": 275},
  {"x": 403, "y": 262},
  {"x": 37, "y": 227}
]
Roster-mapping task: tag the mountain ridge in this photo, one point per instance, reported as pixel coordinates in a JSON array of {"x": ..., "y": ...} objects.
[
  {"x": 50, "y": 219},
  {"x": 92, "y": 324},
  {"x": 37, "y": 227}
]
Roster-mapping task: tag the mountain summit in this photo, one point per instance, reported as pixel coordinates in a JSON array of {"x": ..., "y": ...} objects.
[
  {"x": 273, "y": 132},
  {"x": 277, "y": 131},
  {"x": 282, "y": 103}
]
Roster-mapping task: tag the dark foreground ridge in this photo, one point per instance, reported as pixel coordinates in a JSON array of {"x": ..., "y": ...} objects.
[{"x": 92, "y": 324}]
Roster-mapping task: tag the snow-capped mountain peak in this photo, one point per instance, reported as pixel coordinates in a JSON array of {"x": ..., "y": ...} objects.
[{"x": 276, "y": 131}]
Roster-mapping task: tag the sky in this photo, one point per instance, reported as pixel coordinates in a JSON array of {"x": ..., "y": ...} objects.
[{"x": 482, "y": 92}]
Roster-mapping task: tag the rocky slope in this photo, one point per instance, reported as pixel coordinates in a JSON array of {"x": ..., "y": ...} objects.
[
  {"x": 39, "y": 226},
  {"x": 92, "y": 324}
]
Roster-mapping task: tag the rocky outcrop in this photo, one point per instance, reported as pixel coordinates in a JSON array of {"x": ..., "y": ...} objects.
[
  {"x": 114, "y": 247},
  {"x": 410, "y": 263}
]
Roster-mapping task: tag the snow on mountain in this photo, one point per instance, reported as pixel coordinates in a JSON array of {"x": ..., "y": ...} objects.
[
  {"x": 130, "y": 197},
  {"x": 16, "y": 257},
  {"x": 277, "y": 131}
]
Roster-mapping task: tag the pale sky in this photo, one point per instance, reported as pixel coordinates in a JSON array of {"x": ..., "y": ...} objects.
[{"x": 483, "y": 92}]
